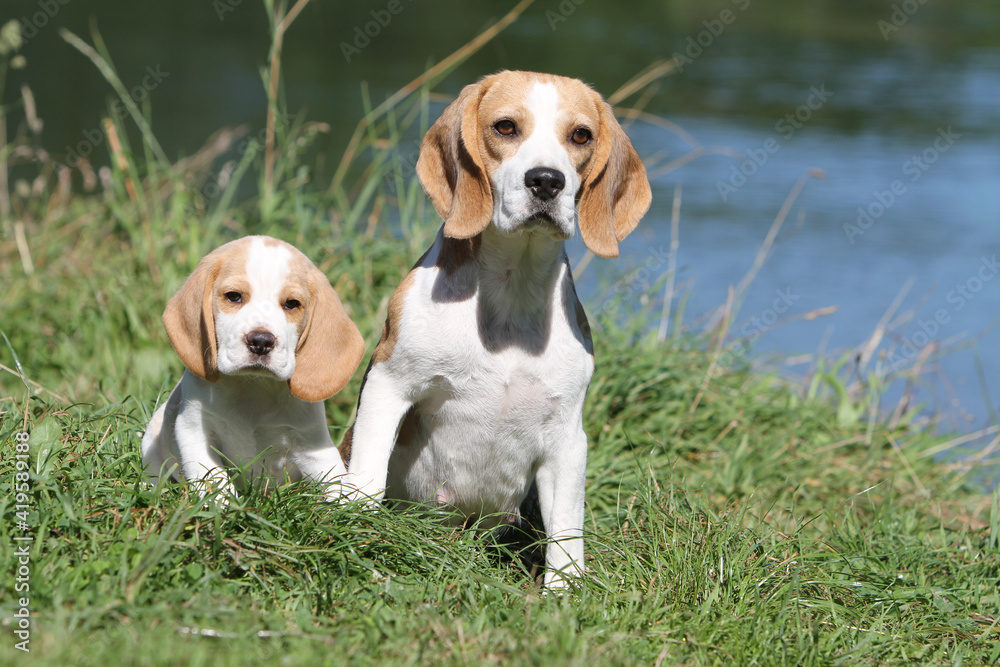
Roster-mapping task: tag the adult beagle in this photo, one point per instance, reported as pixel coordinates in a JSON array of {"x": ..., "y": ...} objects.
[
  {"x": 476, "y": 388},
  {"x": 265, "y": 340}
]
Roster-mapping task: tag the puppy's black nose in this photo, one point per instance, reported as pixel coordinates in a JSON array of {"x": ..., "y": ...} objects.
[
  {"x": 260, "y": 342},
  {"x": 543, "y": 182}
]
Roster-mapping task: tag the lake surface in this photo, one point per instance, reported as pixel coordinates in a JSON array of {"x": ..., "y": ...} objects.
[{"x": 897, "y": 103}]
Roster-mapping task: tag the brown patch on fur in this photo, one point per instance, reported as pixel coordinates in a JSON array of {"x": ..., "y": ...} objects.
[
  {"x": 456, "y": 253},
  {"x": 189, "y": 317},
  {"x": 346, "y": 444},
  {"x": 616, "y": 193},
  {"x": 451, "y": 169},
  {"x": 330, "y": 346},
  {"x": 390, "y": 330},
  {"x": 297, "y": 284}
]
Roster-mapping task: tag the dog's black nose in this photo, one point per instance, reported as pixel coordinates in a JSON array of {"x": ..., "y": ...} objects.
[
  {"x": 543, "y": 182},
  {"x": 260, "y": 342}
]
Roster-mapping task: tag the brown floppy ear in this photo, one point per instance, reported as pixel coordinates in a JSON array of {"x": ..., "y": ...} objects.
[
  {"x": 451, "y": 168},
  {"x": 189, "y": 319},
  {"x": 330, "y": 346},
  {"x": 615, "y": 194}
]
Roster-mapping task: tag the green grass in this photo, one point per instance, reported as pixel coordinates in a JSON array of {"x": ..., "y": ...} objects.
[{"x": 732, "y": 518}]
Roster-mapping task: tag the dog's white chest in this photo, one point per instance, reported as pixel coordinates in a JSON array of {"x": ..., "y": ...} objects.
[{"x": 486, "y": 419}]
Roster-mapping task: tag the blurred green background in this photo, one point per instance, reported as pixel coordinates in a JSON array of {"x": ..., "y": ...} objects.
[{"x": 214, "y": 50}]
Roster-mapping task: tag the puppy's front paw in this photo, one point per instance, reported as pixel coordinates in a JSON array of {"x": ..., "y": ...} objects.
[{"x": 559, "y": 581}]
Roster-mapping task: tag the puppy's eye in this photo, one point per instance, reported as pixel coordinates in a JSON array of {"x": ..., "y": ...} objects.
[
  {"x": 291, "y": 304},
  {"x": 233, "y": 297},
  {"x": 505, "y": 127},
  {"x": 581, "y": 135}
]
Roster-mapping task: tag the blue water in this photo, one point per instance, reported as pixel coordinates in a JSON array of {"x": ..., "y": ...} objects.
[{"x": 933, "y": 219}]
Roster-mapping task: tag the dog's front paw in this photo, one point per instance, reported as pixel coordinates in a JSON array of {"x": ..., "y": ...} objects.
[
  {"x": 336, "y": 492},
  {"x": 358, "y": 496},
  {"x": 353, "y": 492}
]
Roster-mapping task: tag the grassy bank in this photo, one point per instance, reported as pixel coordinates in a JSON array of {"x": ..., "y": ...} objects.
[{"x": 731, "y": 518}]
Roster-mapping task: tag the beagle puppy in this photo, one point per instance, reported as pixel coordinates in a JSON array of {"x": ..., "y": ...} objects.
[
  {"x": 475, "y": 391},
  {"x": 265, "y": 340}
]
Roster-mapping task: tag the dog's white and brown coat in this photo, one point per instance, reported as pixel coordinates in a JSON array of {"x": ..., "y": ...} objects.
[
  {"x": 476, "y": 388},
  {"x": 265, "y": 340}
]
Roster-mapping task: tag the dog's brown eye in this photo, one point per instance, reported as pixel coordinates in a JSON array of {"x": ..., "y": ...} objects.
[
  {"x": 581, "y": 135},
  {"x": 233, "y": 297},
  {"x": 291, "y": 304},
  {"x": 505, "y": 127}
]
